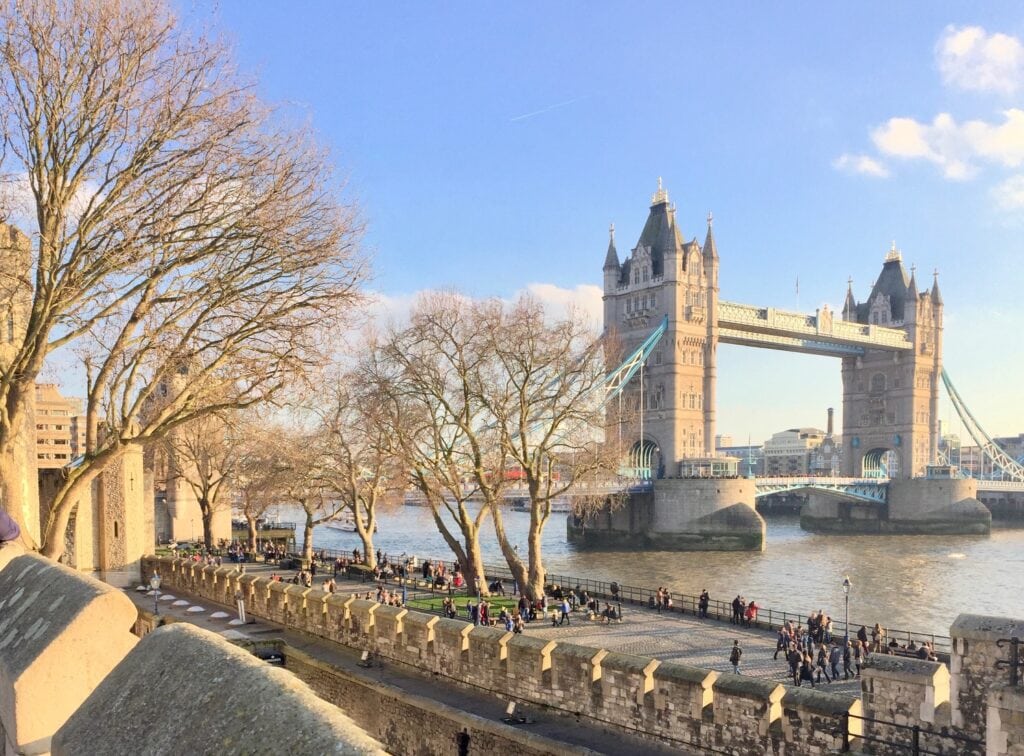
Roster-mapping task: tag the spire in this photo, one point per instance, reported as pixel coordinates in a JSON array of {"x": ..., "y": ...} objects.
[
  {"x": 936, "y": 296},
  {"x": 611, "y": 260},
  {"x": 912, "y": 286},
  {"x": 710, "y": 248},
  {"x": 850, "y": 305}
]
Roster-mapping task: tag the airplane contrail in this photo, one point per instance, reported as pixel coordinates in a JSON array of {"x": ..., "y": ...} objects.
[{"x": 549, "y": 107}]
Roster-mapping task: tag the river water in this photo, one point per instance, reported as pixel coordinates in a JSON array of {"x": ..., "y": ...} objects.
[{"x": 916, "y": 583}]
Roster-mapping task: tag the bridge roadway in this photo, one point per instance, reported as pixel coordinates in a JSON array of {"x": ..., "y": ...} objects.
[{"x": 669, "y": 636}]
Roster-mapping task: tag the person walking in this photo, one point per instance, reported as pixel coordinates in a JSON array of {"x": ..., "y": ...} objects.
[
  {"x": 835, "y": 654},
  {"x": 702, "y": 604},
  {"x": 734, "y": 657},
  {"x": 822, "y": 664},
  {"x": 782, "y": 643},
  {"x": 847, "y": 656},
  {"x": 566, "y": 608}
]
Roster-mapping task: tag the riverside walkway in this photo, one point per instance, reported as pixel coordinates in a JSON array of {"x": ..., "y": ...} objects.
[
  {"x": 666, "y": 636},
  {"x": 430, "y": 693}
]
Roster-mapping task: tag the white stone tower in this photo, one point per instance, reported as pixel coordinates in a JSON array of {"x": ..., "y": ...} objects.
[{"x": 662, "y": 276}]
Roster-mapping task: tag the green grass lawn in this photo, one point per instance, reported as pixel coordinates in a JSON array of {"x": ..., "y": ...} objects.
[{"x": 434, "y": 603}]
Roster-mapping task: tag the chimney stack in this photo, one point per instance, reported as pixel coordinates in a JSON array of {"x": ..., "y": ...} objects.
[{"x": 831, "y": 412}]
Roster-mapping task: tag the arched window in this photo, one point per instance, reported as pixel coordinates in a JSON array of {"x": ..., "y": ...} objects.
[{"x": 877, "y": 383}]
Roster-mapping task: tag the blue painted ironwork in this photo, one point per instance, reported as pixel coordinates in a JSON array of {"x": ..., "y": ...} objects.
[
  {"x": 616, "y": 381},
  {"x": 875, "y": 490},
  {"x": 1009, "y": 469}
]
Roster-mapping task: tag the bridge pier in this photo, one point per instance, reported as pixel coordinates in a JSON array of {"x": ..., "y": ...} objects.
[
  {"x": 678, "y": 514},
  {"x": 920, "y": 506}
]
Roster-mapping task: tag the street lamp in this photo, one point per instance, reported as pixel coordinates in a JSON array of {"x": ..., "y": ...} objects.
[
  {"x": 154, "y": 583},
  {"x": 846, "y": 624}
]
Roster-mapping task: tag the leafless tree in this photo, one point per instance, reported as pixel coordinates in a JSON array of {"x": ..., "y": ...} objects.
[
  {"x": 545, "y": 393},
  {"x": 360, "y": 466},
  {"x": 207, "y": 455},
  {"x": 497, "y": 396},
  {"x": 184, "y": 242},
  {"x": 432, "y": 370},
  {"x": 258, "y": 477}
]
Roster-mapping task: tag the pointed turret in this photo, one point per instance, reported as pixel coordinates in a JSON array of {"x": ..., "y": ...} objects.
[
  {"x": 912, "y": 286},
  {"x": 611, "y": 260},
  {"x": 710, "y": 248},
  {"x": 936, "y": 296},
  {"x": 850, "y": 305}
]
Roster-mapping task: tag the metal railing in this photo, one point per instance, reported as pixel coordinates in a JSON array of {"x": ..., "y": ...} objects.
[
  {"x": 918, "y": 738},
  {"x": 683, "y": 603}
]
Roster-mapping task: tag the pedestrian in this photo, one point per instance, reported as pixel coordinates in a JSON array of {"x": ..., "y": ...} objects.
[
  {"x": 847, "y": 656},
  {"x": 734, "y": 657},
  {"x": 737, "y": 611},
  {"x": 702, "y": 604},
  {"x": 782, "y": 642},
  {"x": 822, "y": 665},
  {"x": 566, "y": 608},
  {"x": 240, "y": 601},
  {"x": 835, "y": 654}
]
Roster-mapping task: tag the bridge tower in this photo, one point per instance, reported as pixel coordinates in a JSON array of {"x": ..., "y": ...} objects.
[
  {"x": 664, "y": 275},
  {"x": 891, "y": 399}
]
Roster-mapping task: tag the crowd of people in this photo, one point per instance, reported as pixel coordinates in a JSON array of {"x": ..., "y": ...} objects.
[{"x": 811, "y": 651}]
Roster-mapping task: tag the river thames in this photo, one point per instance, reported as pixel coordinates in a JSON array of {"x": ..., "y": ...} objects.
[{"x": 916, "y": 583}]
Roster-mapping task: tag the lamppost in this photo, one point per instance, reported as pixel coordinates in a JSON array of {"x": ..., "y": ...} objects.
[
  {"x": 154, "y": 583},
  {"x": 846, "y": 624}
]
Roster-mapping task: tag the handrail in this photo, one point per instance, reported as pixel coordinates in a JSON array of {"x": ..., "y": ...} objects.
[{"x": 683, "y": 603}]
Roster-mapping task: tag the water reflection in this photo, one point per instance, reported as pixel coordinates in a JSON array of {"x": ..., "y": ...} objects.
[{"x": 910, "y": 582}]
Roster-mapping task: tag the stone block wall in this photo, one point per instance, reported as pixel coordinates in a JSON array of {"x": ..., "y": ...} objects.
[
  {"x": 973, "y": 666},
  {"x": 410, "y": 724},
  {"x": 664, "y": 701},
  {"x": 60, "y": 634},
  {"x": 1005, "y": 720}
]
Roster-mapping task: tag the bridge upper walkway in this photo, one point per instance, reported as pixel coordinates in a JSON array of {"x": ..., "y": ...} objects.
[{"x": 822, "y": 333}]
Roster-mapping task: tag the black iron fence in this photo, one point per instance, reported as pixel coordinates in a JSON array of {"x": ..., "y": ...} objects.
[
  {"x": 683, "y": 603},
  {"x": 911, "y": 739}
]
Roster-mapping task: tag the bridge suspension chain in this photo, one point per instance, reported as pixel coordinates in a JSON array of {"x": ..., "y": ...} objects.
[
  {"x": 1010, "y": 468},
  {"x": 616, "y": 381}
]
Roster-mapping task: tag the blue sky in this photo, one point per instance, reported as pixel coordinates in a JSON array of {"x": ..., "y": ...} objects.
[{"x": 489, "y": 147}]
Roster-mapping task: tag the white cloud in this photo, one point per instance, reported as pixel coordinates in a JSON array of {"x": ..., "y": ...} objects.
[
  {"x": 558, "y": 302},
  {"x": 970, "y": 58},
  {"x": 1009, "y": 195},
  {"x": 954, "y": 147},
  {"x": 385, "y": 309},
  {"x": 864, "y": 165}
]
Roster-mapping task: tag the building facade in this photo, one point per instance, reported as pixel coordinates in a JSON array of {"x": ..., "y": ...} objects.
[
  {"x": 667, "y": 276},
  {"x": 890, "y": 399},
  {"x": 60, "y": 427}
]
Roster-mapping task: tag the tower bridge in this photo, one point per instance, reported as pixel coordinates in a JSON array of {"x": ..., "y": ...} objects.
[{"x": 662, "y": 304}]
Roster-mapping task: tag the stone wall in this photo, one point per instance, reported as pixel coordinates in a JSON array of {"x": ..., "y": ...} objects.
[
  {"x": 404, "y": 723},
  {"x": 973, "y": 666},
  {"x": 900, "y": 693},
  {"x": 668, "y": 702},
  {"x": 61, "y": 633},
  {"x": 237, "y": 704}
]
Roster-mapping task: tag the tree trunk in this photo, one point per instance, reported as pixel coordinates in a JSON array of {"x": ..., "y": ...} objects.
[
  {"x": 307, "y": 539},
  {"x": 19, "y": 482},
  {"x": 366, "y": 536},
  {"x": 467, "y": 552},
  {"x": 252, "y": 531},
  {"x": 473, "y": 564},
  {"x": 515, "y": 565},
  {"x": 536, "y": 571},
  {"x": 64, "y": 502},
  {"x": 207, "y": 513}
]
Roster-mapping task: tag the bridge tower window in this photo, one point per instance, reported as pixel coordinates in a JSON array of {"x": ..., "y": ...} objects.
[{"x": 877, "y": 383}]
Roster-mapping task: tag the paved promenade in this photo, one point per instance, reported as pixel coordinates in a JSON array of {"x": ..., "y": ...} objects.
[
  {"x": 431, "y": 691},
  {"x": 669, "y": 636}
]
